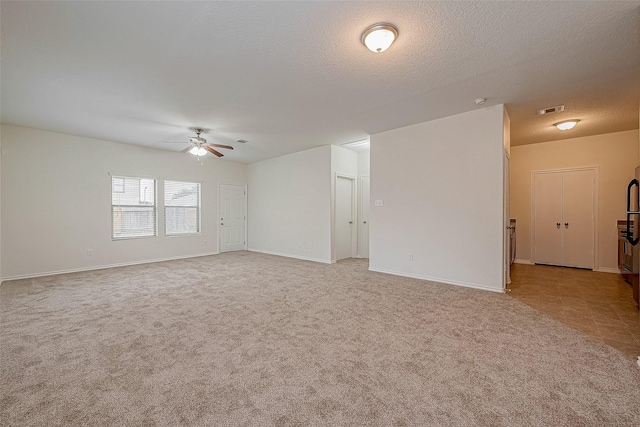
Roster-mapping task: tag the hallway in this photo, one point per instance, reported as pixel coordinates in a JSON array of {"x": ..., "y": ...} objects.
[{"x": 598, "y": 304}]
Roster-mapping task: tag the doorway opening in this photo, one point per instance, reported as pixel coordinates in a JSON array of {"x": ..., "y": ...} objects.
[{"x": 345, "y": 230}]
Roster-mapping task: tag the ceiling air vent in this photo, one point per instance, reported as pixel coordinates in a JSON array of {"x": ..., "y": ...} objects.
[{"x": 551, "y": 110}]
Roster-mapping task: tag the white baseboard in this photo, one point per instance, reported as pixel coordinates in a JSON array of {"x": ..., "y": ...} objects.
[
  {"x": 608, "y": 270},
  {"x": 601, "y": 269},
  {"x": 102, "y": 267},
  {"x": 324, "y": 261},
  {"x": 435, "y": 279}
]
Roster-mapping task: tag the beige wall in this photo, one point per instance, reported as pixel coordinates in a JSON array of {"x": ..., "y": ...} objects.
[{"x": 616, "y": 155}]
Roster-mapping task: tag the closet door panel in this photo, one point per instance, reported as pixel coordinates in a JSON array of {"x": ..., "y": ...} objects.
[
  {"x": 578, "y": 218},
  {"x": 547, "y": 216}
]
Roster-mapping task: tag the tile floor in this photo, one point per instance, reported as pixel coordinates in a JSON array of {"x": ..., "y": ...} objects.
[{"x": 598, "y": 304}]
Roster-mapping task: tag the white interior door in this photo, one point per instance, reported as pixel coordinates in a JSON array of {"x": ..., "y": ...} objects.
[
  {"x": 578, "y": 218},
  {"x": 547, "y": 218},
  {"x": 232, "y": 217},
  {"x": 364, "y": 216},
  {"x": 344, "y": 229}
]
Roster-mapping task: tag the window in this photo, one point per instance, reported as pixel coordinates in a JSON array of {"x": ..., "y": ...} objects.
[
  {"x": 181, "y": 208},
  {"x": 133, "y": 207},
  {"x": 118, "y": 185}
]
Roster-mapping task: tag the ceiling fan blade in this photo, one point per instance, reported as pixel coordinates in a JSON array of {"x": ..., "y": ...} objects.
[
  {"x": 212, "y": 151},
  {"x": 186, "y": 149},
  {"x": 228, "y": 147}
]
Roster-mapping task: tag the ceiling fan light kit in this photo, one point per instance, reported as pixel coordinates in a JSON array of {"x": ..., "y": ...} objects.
[
  {"x": 198, "y": 151},
  {"x": 200, "y": 147},
  {"x": 378, "y": 37}
]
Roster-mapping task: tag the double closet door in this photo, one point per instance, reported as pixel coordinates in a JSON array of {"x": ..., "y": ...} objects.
[{"x": 564, "y": 218}]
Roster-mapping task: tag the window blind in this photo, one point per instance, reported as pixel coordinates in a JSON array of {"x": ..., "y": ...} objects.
[
  {"x": 133, "y": 207},
  {"x": 181, "y": 208}
]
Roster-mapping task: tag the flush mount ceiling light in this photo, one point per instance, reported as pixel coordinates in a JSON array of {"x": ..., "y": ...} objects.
[
  {"x": 378, "y": 37},
  {"x": 567, "y": 124}
]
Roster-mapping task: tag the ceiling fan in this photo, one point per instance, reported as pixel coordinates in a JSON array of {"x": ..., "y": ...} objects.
[{"x": 198, "y": 146}]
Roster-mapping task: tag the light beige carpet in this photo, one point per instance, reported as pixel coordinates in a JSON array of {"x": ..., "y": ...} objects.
[{"x": 257, "y": 340}]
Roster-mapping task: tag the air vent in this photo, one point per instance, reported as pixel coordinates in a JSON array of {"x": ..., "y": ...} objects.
[{"x": 551, "y": 110}]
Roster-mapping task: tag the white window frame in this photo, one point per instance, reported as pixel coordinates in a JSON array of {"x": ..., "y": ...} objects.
[
  {"x": 120, "y": 183},
  {"x": 198, "y": 209},
  {"x": 154, "y": 206}
]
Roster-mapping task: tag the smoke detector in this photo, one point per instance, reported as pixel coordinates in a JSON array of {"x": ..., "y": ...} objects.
[{"x": 550, "y": 110}]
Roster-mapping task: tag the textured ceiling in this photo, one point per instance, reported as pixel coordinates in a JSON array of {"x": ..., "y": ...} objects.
[{"x": 289, "y": 76}]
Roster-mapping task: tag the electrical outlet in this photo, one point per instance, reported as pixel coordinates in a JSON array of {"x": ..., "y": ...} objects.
[
  {"x": 204, "y": 243},
  {"x": 378, "y": 203},
  {"x": 310, "y": 245},
  {"x": 89, "y": 252},
  {"x": 410, "y": 256}
]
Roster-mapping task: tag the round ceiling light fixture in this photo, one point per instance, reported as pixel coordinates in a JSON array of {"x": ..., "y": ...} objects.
[
  {"x": 198, "y": 151},
  {"x": 567, "y": 124},
  {"x": 378, "y": 37}
]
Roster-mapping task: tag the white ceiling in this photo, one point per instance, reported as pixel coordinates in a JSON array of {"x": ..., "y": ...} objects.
[{"x": 289, "y": 76}]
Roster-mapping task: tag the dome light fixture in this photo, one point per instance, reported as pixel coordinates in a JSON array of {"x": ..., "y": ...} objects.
[
  {"x": 378, "y": 37},
  {"x": 567, "y": 124},
  {"x": 198, "y": 151}
]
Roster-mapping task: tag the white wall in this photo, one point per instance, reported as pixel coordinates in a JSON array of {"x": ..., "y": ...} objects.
[
  {"x": 615, "y": 154},
  {"x": 441, "y": 183},
  {"x": 506, "y": 132},
  {"x": 56, "y": 201},
  {"x": 506, "y": 139},
  {"x": 344, "y": 162},
  {"x": 289, "y": 201},
  {"x": 1, "y": 204},
  {"x": 364, "y": 160}
]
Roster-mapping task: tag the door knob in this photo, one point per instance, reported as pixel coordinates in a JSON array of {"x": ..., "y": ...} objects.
[
  {"x": 364, "y": 222},
  {"x": 350, "y": 222},
  {"x": 557, "y": 224},
  {"x": 566, "y": 225}
]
